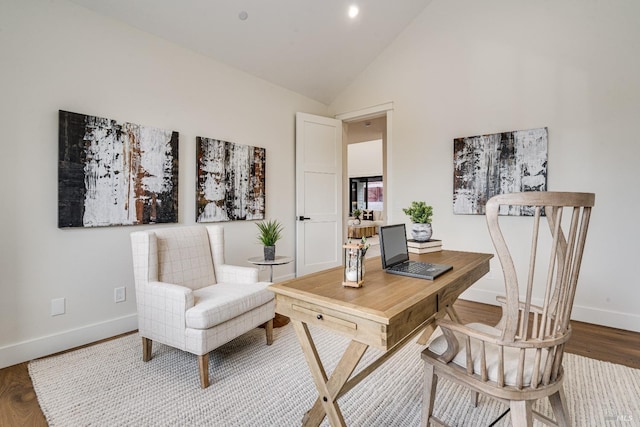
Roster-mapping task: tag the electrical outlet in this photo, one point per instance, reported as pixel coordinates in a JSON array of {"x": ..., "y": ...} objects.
[
  {"x": 120, "y": 294},
  {"x": 57, "y": 306}
]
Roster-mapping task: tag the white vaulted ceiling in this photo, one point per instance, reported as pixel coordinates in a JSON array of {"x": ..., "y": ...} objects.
[{"x": 308, "y": 46}]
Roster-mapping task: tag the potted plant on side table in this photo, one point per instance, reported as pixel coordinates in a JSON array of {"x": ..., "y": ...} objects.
[
  {"x": 270, "y": 233},
  {"x": 420, "y": 214}
]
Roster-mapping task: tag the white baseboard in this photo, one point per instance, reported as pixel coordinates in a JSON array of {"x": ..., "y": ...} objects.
[
  {"x": 597, "y": 316},
  {"x": 50, "y": 344},
  {"x": 283, "y": 278},
  {"x": 45, "y": 346}
]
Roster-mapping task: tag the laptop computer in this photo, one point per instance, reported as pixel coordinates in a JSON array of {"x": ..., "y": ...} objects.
[{"x": 395, "y": 255}]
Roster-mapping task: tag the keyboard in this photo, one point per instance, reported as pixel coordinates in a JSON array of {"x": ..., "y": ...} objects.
[{"x": 414, "y": 267}]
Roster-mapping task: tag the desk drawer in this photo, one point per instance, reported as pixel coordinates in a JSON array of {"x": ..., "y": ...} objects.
[
  {"x": 357, "y": 328},
  {"x": 321, "y": 317}
]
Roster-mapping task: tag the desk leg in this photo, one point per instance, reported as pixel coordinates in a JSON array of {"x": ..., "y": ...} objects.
[
  {"x": 328, "y": 389},
  {"x": 431, "y": 323},
  {"x": 430, "y": 327}
]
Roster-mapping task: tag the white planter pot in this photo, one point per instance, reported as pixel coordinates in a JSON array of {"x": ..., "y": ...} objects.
[{"x": 421, "y": 232}]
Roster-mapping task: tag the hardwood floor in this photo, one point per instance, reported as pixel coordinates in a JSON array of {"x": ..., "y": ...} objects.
[
  {"x": 18, "y": 402},
  {"x": 19, "y": 405}
]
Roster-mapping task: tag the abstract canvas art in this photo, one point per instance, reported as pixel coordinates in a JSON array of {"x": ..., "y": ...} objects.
[
  {"x": 113, "y": 173},
  {"x": 499, "y": 163},
  {"x": 231, "y": 181}
]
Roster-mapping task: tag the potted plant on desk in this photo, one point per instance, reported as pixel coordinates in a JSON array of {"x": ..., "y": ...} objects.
[
  {"x": 420, "y": 214},
  {"x": 270, "y": 233}
]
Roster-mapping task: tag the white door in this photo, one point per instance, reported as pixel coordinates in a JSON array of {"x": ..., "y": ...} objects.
[{"x": 318, "y": 193}]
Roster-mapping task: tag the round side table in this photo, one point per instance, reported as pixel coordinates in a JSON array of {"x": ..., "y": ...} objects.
[
  {"x": 279, "y": 260},
  {"x": 279, "y": 319}
]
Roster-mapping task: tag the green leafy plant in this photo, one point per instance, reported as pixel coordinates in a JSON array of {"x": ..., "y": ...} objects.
[
  {"x": 365, "y": 245},
  {"x": 356, "y": 213},
  {"x": 270, "y": 232},
  {"x": 419, "y": 212}
]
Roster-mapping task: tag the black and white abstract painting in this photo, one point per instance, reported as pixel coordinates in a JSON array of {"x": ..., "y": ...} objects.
[
  {"x": 499, "y": 163},
  {"x": 231, "y": 181},
  {"x": 113, "y": 173}
]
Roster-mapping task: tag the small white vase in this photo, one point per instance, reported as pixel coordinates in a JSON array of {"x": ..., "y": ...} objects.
[{"x": 421, "y": 232}]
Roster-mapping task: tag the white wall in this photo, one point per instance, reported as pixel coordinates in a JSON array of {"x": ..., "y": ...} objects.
[
  {"x": 56, "y": 55},
  {"x": 466, "y": 68},
  {"x": 364, "y": 159}
]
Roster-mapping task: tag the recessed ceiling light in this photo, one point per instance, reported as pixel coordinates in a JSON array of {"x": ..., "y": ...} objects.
[
  {"x": 353, "y": 11},
  {"x": 243, "y": 15}
]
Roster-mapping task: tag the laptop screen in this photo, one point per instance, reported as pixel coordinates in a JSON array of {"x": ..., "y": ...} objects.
[{"x": 393, "y": 245}]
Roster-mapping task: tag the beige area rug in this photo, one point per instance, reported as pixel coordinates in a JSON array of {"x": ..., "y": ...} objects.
[{"x": 256, "y": 385}]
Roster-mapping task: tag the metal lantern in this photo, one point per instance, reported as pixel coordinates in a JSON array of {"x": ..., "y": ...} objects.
[{"x": 353, "y": 275}]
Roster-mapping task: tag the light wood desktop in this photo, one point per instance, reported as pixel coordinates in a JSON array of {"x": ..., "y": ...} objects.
[{"x": 385, "y": 313}]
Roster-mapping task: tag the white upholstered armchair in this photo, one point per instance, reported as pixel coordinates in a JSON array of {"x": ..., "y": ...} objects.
[{"x": 188, "y": 298}]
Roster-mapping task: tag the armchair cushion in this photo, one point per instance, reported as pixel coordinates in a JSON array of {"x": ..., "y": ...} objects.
[
  {"x": 438, "y": 345},
  {"x": 219, "y": 303}
]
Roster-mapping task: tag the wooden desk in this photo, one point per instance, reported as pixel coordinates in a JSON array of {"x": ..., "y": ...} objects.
[{"x": 385, "y": 313}]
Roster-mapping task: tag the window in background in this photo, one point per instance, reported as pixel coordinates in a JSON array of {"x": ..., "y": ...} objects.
[{"x": 366, "y": 193}]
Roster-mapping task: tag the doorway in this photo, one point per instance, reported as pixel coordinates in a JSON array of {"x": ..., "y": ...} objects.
[
  {"x": 326, "y": 132},
  {"x": 366, "y": 132}
]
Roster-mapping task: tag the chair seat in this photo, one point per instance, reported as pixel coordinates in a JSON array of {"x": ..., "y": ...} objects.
[
  {"x": 438, "y": 345},
  {"x": 221, "y": 302}
]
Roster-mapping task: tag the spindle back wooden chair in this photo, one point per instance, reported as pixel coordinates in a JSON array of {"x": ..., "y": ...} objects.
[{"x": 520, "y": 359}]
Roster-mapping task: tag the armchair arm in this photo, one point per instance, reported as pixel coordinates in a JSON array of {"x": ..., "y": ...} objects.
[
  {"x": 457, "y": 334},
  {"x": 162, "y": 311},
  {"x": 226, "y": 273},
  {"x": 180, "y": 297},
  {"x": 483, "y": 351},
  {"x": 448, "y": 325},
  {"x": 468, "y": 332}
]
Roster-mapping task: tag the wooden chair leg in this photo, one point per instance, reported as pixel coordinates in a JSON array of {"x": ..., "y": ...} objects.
[
  {"x": 560, "y": 409},
  {"x": 474, "y": 398},
  {"x": 203, "y": 366},
  {"x": 146, "y": 349},
  {"x": 428, "y": 394},
  {"x": 268, "y": 327},
  {"x": 521, "y": 413}
]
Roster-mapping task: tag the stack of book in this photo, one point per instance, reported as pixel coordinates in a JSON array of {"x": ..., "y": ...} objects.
[{"x": 431, "y": 245}]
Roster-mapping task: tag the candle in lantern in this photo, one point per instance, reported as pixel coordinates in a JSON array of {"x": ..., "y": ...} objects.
[{"x": 352, "y": 275}]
